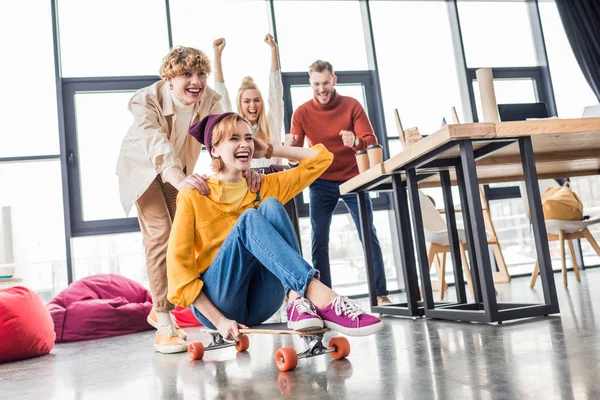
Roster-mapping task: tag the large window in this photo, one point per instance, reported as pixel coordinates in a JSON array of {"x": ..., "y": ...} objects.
[
  {"x": 121, "y": 254},
  {"x": 417, "y": 70},
  {"x": 112, "y": 37},
  {"x": 244, "y": 25},
  {"x": 31, "y": 225},
  {"x": 496, "y": 34},
  {"x": 28, "y": 111},
  {"x": 327, "y": 30},
  {"x": 571, "y": 90}
]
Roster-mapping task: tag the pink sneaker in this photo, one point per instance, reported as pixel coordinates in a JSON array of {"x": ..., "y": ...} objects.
[
  {"x": 348, "y": 318},
  {"x": 302, "y": 316}
]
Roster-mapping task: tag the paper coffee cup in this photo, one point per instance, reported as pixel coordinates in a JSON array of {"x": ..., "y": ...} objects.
[
  {"x": 362, "y": 160},
  {"x": 375, "y": 152}
]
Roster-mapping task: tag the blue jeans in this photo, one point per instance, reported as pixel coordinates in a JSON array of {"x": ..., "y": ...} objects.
[
  {"x": 324, "y": 196},
  {"x": 258, "y": 263}
]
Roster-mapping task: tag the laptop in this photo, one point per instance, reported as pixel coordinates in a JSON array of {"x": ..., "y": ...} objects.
[
  {"x": 522, "y": 111},
  {"x": 591, "y": 111}
]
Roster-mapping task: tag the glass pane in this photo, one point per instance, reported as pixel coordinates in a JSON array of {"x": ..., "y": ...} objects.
[
  {"x": 509, "y": 91},
  {"x": 417, "y": 70},
  {"x": 99, "y": 141},
  {"x": 245, "y": 54},
  {"x": 571, "y": 90},
  {"x": 496, "y": 34},
  {"x": 327, "y": 30},
  {"x": 348, "y": 268},
  {"x": 28, "y": 59},
  {"x": 32, "y": 234},
  {"x": 515, "y": 238},
  {"x": 121, "y": 254},
  {"x": 587, "y": 188},
  {"x": 99, "y": 38}
]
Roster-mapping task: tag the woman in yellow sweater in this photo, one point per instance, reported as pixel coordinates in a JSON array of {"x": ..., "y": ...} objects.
[{"x": 233, "y": 254}]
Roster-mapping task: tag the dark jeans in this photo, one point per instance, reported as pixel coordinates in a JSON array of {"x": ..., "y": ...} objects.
[{"x": 324, "y": 196}]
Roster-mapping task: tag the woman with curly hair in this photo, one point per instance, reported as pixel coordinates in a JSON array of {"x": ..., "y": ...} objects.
[{"x": 157, "y": 159}]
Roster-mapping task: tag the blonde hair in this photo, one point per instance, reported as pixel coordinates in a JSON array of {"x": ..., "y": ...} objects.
[
  {"x": 263, "y": 133},
  {"x": 184, "y": 59},
  {"x": 320, "y": 66},
  {"x": 223, "y": 130}
]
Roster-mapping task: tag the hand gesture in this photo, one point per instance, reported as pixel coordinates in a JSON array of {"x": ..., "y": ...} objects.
[
  {"x": 219, "y": 45},
  {"x": 230, "y": 329},
  {"x": 348, "y": 138},
  {"x": 290, "y": 140},
  {"x": 270, "y": 41},
  {"x": 195, "y": 181},
  {"x": 260, "y": 148},
  {"x": 254, "y": 180}
]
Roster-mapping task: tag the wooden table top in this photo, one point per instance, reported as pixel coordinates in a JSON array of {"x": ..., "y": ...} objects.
[{"x": 562, "y": 147}]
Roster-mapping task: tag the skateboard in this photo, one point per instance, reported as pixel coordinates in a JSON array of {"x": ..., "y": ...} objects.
[{"x": 286, "y": 358}]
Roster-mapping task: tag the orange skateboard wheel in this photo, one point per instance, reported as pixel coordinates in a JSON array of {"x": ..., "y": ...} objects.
[
  {"x": 286, "y": 359},
  {"x": 243, "y": 343},
  {"x": 341, "y": 347},
  {"x": 196, "y": 350}
]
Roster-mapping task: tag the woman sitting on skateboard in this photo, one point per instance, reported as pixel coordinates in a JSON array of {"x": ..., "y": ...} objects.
[{"x": 233, "y": 255}]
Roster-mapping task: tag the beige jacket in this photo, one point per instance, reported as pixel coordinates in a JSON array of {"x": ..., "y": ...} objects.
[{"x": 147, "y": 148}]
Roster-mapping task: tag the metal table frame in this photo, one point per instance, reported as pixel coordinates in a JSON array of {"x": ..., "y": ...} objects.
[{"x": 485, "y": 308}]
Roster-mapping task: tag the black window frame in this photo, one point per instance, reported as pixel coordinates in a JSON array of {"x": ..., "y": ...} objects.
[{"x": 70, "y": 87}]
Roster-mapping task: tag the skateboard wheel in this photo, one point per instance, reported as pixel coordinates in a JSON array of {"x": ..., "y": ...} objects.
[
  {"x": 341, "y": 347},
  {"x": 196, "y": 350},
  {"x": 243, "y": 343},
  {"x": 286, "y": 358}
]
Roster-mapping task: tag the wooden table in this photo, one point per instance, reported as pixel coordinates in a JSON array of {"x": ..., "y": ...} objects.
[{"x": 468, "y": 155}]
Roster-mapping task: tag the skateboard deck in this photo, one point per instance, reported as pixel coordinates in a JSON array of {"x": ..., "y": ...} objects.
[
  {"x": 272, "y": 329},
  {"x": 286, "y": 358}
]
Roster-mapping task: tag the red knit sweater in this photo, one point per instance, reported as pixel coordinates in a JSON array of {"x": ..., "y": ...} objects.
[{"x": 323, "y": 123}]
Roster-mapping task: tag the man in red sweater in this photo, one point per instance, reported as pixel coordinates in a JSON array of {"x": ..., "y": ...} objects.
[{"x": 341, "y": 124}]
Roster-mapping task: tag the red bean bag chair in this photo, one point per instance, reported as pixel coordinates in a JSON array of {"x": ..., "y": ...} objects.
[
  {"x": 100, "y": 306},
  {"x": 26, "y": 328}
]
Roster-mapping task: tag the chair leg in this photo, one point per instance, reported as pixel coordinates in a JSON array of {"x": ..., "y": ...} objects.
[
  {"x": 534, "y": 274},
  {"x": 561, "y": 238},
  {"x": 442, "y": 277},
  {"x": 502, "y": 269},
  {"x": 575, "y": 266},
  {"x": 587, "y": 234},
  {"x": 465, "y": 264},
  {"x": 431, "y": 256}
]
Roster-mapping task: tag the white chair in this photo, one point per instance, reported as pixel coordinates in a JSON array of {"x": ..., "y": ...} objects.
[
  {"x": 562, "y": 230},
  {"x": 436, "y": 234}
]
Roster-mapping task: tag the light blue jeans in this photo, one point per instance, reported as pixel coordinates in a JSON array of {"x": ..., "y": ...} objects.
[{"x": 258, "y": 263}]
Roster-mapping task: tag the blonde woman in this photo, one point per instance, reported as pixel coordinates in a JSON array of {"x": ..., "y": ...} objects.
[
  {"x": 266, "y": 124},
  {"x": 157, "y": 159}
]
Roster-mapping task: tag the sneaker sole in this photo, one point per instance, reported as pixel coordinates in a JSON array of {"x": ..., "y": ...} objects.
[
  {"x": 305, "y": 325},
  {"x": 170, "y": 349},
  {"x": 182, "y": 336},
  {"x": 362, "y": 331}
]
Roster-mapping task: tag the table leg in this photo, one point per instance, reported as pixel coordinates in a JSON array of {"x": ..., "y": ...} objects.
[
  {"x": 459, "y": 281},
  {"x": 486, "y": 279},
  {"x": 538, "y": 223}
]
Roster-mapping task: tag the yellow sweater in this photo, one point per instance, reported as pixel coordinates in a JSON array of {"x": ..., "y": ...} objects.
[{"x": 202, "y": 223}]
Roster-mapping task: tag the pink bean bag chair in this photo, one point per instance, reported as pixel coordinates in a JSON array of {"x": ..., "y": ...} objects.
[
  {"x": 100, "y": 306},
  {"x": 26, "y": 328}
]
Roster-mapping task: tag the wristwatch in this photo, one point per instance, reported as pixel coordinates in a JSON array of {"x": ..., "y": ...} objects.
[{"x": 356, "y": 142}]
